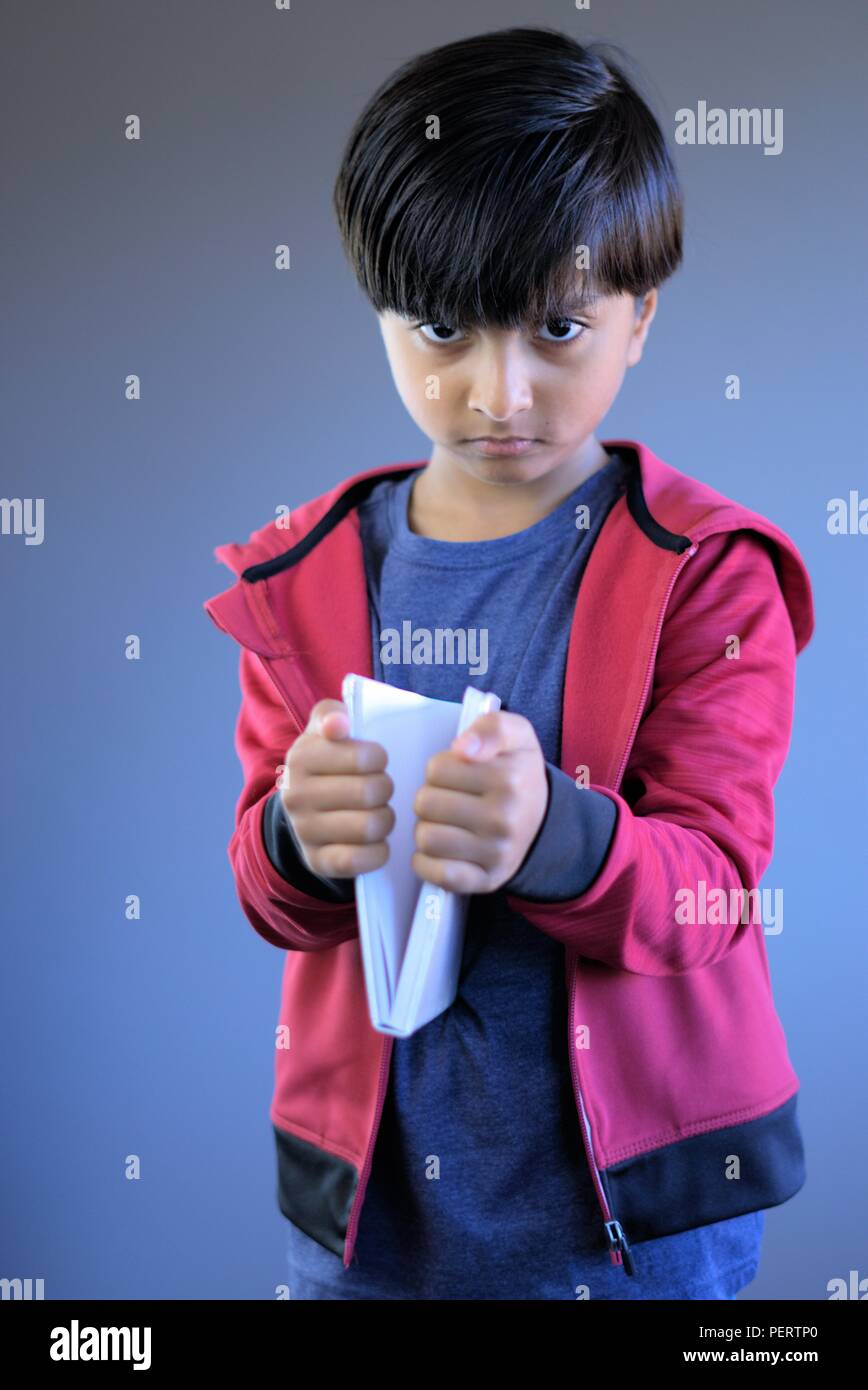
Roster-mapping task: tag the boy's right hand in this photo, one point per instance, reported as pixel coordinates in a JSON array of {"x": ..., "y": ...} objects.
[{"x": 335, "y": 793}]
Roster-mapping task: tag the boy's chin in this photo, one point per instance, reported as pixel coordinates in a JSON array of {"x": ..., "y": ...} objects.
[{"x": 504, "y": 469}]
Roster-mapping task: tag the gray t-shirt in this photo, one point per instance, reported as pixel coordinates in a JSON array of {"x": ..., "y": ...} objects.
[{"x": 479, "y": 1186}]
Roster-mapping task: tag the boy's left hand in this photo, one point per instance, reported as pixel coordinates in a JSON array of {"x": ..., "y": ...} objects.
[{"x": 478, "y": 812}]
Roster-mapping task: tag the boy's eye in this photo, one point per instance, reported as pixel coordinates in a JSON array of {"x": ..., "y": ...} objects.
[
  {"x": 565, "y": 323},
  {"x": 441, "y": 331},
  {"x": 436, "y": 327}
]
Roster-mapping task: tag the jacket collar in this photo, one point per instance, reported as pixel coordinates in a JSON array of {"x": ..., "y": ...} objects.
[{"x": 303, "y": 606}]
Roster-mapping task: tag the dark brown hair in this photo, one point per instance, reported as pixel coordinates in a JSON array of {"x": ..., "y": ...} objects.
[{"x": 544, "y": 145}]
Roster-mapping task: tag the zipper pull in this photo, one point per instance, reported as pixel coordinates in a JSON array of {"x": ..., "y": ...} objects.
[{"x": 619, "y": 1247}]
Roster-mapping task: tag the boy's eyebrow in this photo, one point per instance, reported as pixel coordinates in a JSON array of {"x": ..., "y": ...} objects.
[{"x": 582, "y": 306}]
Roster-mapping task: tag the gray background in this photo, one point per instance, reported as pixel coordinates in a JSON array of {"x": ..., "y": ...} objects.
[{"x": 259, "y": 388}]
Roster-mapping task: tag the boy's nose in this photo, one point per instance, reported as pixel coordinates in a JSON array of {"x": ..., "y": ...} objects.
[{"x": 501, "y": 385}]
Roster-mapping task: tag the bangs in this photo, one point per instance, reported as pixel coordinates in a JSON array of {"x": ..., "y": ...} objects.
[{"x": 505, "y": 180}]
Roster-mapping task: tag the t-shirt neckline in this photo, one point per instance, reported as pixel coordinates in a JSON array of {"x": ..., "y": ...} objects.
[{"x": 407, "y": 542}]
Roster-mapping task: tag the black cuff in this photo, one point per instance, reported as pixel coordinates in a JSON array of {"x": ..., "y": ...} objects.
[
  {"x": 570, "y": 845},
  {"x": 285, "y": 854}
]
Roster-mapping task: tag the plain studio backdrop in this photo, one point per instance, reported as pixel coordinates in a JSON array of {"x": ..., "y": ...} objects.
[{"x": 154, "y": 1037}]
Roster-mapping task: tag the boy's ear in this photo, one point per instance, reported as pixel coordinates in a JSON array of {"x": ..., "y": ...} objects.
[{"x": 646, "y": 309}]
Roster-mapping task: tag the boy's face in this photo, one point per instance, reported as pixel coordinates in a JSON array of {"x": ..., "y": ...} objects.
[{"x": 529, "y": 384}]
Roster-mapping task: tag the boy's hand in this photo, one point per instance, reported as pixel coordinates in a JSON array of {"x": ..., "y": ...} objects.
[
  {"x": 479, "y": 812},
  {"x": 335, "y": 794}
]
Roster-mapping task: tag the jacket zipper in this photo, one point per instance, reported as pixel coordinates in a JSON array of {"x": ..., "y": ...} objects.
[
  {"x": 616, "y": 1237},
  {"x": 352, "y": 1226}
]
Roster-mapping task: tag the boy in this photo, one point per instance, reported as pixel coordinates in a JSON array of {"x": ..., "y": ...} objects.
[{"x": 610, "y": 1095}]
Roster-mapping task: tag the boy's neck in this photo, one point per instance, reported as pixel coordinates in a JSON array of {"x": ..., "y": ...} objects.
[{"x": 447, "y": 502}]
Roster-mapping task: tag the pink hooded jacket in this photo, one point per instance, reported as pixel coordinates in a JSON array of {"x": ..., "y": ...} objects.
[{"x": 685, "y": 1094}]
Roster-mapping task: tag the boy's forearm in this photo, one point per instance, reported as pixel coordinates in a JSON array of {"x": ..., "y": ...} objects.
[
  {"x": 285, "y": 854},
  {"x": 281, "y": 912},
  {"x": 570, "y": 845},
  {"x": 562, "y": 862},
  {"x": 627, "y": 918}
]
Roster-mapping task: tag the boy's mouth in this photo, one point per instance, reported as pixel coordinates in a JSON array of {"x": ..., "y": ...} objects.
[{"x": 506, "y": 444}]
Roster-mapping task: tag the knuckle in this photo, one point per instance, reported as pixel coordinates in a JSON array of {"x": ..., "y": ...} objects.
[
  {"x": 370, "y": 757},
  {"x": 435, "y": 765},
  {"x": 513, "y": 788},
  {"x": 289, "y": 796},
  {"x": 314, "y": 858},
  {"x": 373, "y": 827},
  {"x": 338, "y": 862},
  {"x": 508, "y": 780},
  {"x": 380, "y": 854},
  {"x": 374, "y": 789},
  {"x": 364, "y": 759},
  {"x": 451, "y": 876}
]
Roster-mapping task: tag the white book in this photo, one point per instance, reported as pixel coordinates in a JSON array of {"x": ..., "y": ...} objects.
[{"x": 411, "y": 931}]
